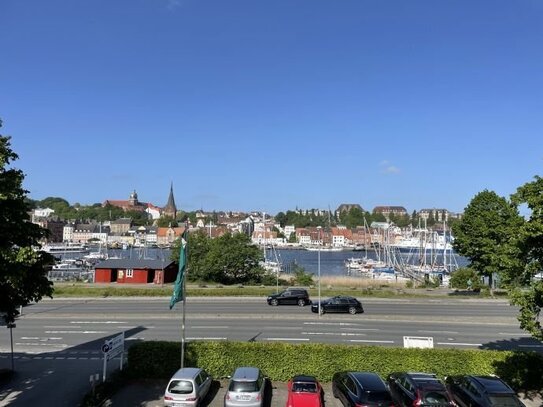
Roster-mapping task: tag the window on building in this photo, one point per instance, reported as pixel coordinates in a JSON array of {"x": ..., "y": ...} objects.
[{"x": 129, "y": 273}]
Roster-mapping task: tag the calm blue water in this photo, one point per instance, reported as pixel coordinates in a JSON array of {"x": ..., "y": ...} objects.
[{"x": 331, "y": 263}]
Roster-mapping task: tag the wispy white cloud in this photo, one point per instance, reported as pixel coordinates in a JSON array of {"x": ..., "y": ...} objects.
[
  {"x": 173, "y": 4},
  {"x": 388, "y": 168}
]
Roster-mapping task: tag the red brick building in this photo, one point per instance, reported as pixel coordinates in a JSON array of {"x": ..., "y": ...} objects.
[{"x": 135, "y": 271}]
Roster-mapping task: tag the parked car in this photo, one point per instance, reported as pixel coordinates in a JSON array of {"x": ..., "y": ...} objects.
[
  {"x": 339, "y": 303},
  {"x": 246, "y": 388},
  {"x": 304, "y": 391},
  {"x": 292, "y": 296},
  {"x": 187, "y": 387},
  {"x": 481, "y": 391},
  {"x": 361, "y": 389},
  {"x": 418, "y": 390}
]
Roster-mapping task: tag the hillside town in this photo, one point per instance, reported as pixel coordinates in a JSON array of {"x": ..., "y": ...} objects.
[{"x": 263, "y": 229}]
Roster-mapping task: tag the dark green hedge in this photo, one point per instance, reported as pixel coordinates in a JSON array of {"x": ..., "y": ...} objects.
[{"x": 280, "y": 361}]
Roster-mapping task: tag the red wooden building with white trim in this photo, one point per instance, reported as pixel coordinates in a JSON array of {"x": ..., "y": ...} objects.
[{"x": 135, "y": 271}]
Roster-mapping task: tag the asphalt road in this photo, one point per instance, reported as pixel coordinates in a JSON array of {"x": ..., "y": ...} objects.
[{"x": 57, "y": 342}]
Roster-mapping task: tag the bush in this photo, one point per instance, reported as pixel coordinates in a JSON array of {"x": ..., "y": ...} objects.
[
  {"x": 280, "y": 361},
  {"x": 460, "y": 278},
  {"x": 302, "y": 278}
]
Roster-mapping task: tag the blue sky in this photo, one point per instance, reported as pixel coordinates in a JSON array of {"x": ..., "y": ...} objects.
[{"x": 272, "y": 105}]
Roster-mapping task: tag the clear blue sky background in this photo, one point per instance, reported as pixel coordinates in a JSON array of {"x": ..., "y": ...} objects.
[{"x": 269, "y": 105}]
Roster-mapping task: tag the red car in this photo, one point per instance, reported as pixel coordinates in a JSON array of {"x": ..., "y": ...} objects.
[{"x": 304, "y": 391}]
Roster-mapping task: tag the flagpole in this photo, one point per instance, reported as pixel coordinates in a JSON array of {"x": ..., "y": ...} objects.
[
  {"x": 184, "y": 303},
  {"x": 183, "y": 325}
]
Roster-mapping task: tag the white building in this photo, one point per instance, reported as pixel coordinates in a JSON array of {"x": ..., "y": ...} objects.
[
  {"x": 43, "y": 212},
  {"x": 68, "y": 232}
]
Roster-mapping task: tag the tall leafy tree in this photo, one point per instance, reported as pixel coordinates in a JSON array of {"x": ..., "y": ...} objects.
[
  {"x": 530, "y": 301},
  {"x": 487, "y": 237},
  {"x": 23, "y": 274}
]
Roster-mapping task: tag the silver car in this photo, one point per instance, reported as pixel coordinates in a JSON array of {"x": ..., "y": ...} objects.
[
  {"x": 187, "y": 387},
  {"x": 246, "y": 388}
]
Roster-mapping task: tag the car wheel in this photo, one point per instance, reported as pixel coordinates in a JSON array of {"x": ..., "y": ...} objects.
[
  {"x": 274, "y": 302},
  {"x": 301, "y": 302},
  {"x": 352, "y": 310}
]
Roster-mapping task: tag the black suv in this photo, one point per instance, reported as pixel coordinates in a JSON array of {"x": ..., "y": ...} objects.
[
  {"x": 418, "y": 389},
  {"x": 481, "y": 391},
  {"x": 361, "y": 389},
  {"x": 292, "y": 296},
  {"x": 339, "y": 303}
]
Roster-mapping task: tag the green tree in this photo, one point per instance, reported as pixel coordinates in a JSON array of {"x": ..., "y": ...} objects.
[
  {"x": 166, "y": 221},
  {"x": 486, "y": 236},
  {"x": 233, "y": 259},
  {"x": 530, "y": 300},
  {"x": 227, "y": 259},
  {"x": 198, "y": 248},
  {"x": 23, "y": 274}
]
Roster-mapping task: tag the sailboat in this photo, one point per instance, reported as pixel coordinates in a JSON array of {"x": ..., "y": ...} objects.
[
  {"x": 97, "y": 255},
  {"x": 274, "y": 267}
]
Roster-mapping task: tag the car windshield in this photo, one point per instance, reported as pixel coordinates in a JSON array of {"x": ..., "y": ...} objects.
[
  {"x": 301, "y": 387},
  {"x": 503, "y": 400},
  {"x": 180, "y": 387},
  {"x": 435, "y": 398},
  {"x": 244, "y": 386}
]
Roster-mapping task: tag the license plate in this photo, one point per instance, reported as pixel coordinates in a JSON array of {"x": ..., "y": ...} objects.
[{"x": 245, "y": 397}]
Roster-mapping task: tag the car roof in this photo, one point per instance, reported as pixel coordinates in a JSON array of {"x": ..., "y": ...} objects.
[
  {"x": 186, "y": 373},
  {"x": 369, "y": 381},
  {"x": 303, "y": 378},
  {"x": 246, "y": 373},
  {"x": 493, "y": 384}
]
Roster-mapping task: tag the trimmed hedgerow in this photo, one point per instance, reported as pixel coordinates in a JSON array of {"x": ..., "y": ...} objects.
[{"x": 280, "y": 361}]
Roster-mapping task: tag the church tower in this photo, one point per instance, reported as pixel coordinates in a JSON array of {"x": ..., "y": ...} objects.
[{"x": 170, "y": 208}]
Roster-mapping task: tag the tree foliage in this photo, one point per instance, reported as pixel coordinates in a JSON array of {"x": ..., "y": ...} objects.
[
  {"x": 530, "y": 303},
  {"x": 487, "y": 236},
  {"x": 23, "y": 274},
  {"x": 228, "y": 259},
  {"x": 530, "y": 234}
]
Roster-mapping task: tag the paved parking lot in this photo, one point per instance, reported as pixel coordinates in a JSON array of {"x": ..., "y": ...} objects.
[{"x": 149, "y": 394}]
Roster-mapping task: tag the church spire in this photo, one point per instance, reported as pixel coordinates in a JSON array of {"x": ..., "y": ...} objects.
[{"x": 170, "y": 209}]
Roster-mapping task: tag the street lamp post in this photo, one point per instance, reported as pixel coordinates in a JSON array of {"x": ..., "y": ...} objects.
[{"x": 319, "y": 268}]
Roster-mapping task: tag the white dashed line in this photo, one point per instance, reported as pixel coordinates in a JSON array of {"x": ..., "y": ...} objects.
[
  {"x": 459, "y": 344},
  {"x": 287, "y": 339}
]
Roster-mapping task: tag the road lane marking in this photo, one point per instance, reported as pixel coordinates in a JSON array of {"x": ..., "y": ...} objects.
[
  {"x": 75, "y": 332},
  {"x": 58, "y": 345},
  {"x": 204, "y": 338},
  {"x": 360, "y": 329},
  {"x": 98, "y": 322},
  {"x": 438, "y": 332},
  {"x": 330, "y": 323},
  {"x": 460, "y": 344},
  {"x": 287, "y": 339},
  {"x": 209, "y": 327},
  {"x": 60, "y": 326},
  {"x": 369, "y": 341},
  {"x": 335, "y": 333},
  {"x": 30, "y": 337}
]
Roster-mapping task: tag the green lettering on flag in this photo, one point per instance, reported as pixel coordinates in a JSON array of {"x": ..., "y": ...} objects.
[{"x": 178, "y": 293}]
